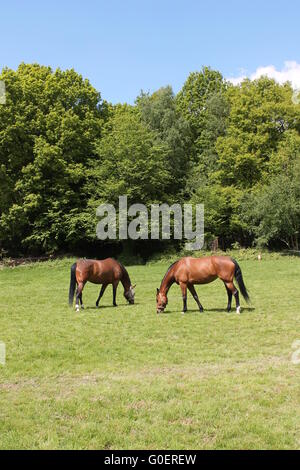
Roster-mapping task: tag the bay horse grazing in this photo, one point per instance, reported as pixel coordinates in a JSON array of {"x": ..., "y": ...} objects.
[
  {"x": 107, "y": 271},
  {"x": 189, "y": 271}
]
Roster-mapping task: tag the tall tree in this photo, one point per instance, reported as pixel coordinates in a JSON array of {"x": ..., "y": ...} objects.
[
  {"x": 47, "y": 131},
  {"x": 130, "y": 161},
  {"x": 271, "y": 212},
  {"x": 159, "y": 112},
  {"x": 261, "y": 111},
  {"x": 192, "y": 102}
]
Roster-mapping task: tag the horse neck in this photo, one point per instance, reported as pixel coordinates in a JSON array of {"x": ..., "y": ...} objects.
[
  {"x": 167, "y": 281},
  {"x": 125, "y": 279}
]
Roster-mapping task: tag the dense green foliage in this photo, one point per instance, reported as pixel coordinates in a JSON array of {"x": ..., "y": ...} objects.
[
  {"x": 63, "y": 151},
  {"x": 47, "y": 132}
]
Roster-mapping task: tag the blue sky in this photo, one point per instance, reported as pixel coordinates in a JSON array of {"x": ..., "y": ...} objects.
[{"x": 125, "y": 46}]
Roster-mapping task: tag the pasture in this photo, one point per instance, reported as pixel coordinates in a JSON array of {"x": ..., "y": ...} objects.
[{"x": 127, "y": 378}]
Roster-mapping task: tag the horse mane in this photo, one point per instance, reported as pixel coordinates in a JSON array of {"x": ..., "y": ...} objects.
[
  {"x": 168, "y": 270},
  {"x": 124, "y": 271}
]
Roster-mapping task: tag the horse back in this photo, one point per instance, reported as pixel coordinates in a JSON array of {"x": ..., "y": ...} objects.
[
  {"x": 98, "y": 271},
  {"x": 203, "y": 270},
  {"x": 224, "y": 267}
]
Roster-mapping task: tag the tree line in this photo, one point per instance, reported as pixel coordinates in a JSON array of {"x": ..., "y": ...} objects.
[{"x": 64, "y": 150}]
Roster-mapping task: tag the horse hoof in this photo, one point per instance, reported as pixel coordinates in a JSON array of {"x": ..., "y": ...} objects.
[
  {"x": 82, "y": 306},
  {"x": 183, "y": 313},
  {"x": 238, "y": 310}
]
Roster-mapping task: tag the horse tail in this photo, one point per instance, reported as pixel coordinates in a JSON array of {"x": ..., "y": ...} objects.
[
  {"x": 239, "y": 277},
  {"x": 72, "y": 284}
]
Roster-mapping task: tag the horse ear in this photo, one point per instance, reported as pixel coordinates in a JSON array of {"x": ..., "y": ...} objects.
[
  {"x": 157, "y": 291},
  {"x": 133, "y": 286}
]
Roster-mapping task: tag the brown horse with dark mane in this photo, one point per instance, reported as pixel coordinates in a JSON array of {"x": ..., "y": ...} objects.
[
  {"x": 189, "y": 271},
  {"x": 107, "y": 271}
]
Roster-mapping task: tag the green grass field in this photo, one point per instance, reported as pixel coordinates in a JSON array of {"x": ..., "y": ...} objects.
[{"x": 127, "y": 378}]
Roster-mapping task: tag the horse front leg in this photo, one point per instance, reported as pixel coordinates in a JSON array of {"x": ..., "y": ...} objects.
[
  {"x": 115, "y": 285},
  {"x": 192, "y": 290},
  {"x": 184, "y": 296},
  {"x": 103, "y": 287}
]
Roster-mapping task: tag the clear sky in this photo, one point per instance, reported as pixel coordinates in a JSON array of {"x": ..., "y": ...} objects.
[{"x": 125, "y": 46}]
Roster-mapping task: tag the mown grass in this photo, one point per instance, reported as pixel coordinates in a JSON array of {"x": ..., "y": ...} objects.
[{"x": 128, "y": 378}]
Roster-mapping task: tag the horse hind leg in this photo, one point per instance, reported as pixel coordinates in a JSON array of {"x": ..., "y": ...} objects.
[
  {"x": 235, "y": 292},
  {"x": 194, "y": 294},
  {"x": 81, "y": 303},
  {"x": 229, "y": 294},
  {"x": 79, "y": 295}
]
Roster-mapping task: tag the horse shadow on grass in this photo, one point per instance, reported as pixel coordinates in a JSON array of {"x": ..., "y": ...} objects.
[
  {"x": 211, "y": 310},
  {"x": 101, "y": 307}
]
